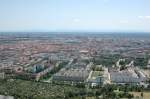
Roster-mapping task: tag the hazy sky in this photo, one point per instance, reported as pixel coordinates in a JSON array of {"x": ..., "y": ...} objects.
[{"x": 75, "y": 15}]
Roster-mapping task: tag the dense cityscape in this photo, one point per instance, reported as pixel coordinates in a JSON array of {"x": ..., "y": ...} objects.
[
  {"x": 74, "y": 49},
  {"x": 74, "y": 65}
]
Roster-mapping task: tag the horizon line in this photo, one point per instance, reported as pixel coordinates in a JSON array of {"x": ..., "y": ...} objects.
[{"x": 74, "y": 32}]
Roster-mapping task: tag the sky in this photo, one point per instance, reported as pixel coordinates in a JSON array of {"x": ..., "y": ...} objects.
[{"x": 74, "y": 15}]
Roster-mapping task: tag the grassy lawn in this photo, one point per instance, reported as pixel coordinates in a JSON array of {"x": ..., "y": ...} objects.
[{"x": 97, "y": 73}]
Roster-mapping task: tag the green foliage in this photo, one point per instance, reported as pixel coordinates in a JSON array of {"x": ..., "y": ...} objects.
[
  {"x": 122, "y": 63},
  {"x": 123, "y": 67},
  {"x": 127, "y": 88},
  {"x": 108, "y": 60},
  {"x": 80, "y": 85},
  {"x": 22, "y": 89},
  {"x": 142, "y": 62}
]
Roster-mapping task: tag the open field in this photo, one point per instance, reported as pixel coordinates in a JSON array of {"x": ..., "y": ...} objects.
[
  {"x": 147, "y": 72},
  {"x": 90, "y": 98},
  {"x": 146, "y": 95}
]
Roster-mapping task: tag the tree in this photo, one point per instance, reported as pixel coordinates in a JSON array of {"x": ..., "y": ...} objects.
[
  {"x": 98, "y": 93},
  {"x": 142, "y": 94},
  {"x": 130, "y": 96}
]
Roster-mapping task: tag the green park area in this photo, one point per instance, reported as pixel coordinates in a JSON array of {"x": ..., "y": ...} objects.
[
  {"x": 97, "y": 73},
  {"x": 22, "y": 89}
]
